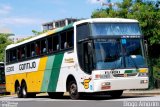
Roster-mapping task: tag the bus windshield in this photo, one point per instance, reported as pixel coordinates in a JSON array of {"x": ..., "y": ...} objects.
[
  {"x": 112, "y": 54},
  {"x": 102, "y": 29},
  {"x": 134, "y": 56}
]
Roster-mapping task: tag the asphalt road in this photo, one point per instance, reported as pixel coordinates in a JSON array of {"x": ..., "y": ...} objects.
[{"x": 90, "y": 101}]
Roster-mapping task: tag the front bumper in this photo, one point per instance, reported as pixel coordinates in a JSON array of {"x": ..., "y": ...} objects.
[{"x": 120, "y": 84}]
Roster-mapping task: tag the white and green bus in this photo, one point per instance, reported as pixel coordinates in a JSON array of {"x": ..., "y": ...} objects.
[{"x": 101, "y": 55}]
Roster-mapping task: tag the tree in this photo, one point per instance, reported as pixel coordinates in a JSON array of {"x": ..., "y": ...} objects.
[
  {"x": 24, "y": 39},
  {"x": 4, "y": 41},
  {"x": 37, "y": 32}
]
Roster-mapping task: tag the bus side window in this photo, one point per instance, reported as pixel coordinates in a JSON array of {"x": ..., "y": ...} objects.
[
  {"x": 10, "y": 56},
  {"x": 14, "y": 55},
  {"x": 70, "y": 38},
  {"x": 37, "y": 47},
  {"x": 55, "y": 43},
  {"x": 28, "y": 51},
  {"x": 50, "y": 46},
  {"x": 7, "y": 56},
  {"x": 63, "y": 40},
  {"x": 43, "y": 46},
  {"x": 23, "y": 55},
  {"x": 33, "y": 50},
  {"x": 66, "y": 45},
  {"x": 19, "y": 52}
]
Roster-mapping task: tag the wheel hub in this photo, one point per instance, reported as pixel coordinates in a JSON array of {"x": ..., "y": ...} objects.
[{"x": 73, "y": 89}]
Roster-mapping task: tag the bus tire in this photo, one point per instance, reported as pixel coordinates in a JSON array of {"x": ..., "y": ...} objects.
[
  {"x": 73, "y": 90},
  {"x": 116, "y": 93},
  {"x": 24, "y": 90},
  {"x": 55, "y": 94},
  {"x": 19, "y": 92}
]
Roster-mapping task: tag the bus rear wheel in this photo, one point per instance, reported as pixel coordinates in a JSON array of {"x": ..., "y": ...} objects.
[
  {"x": 24, "y": 90},
  {"x": 19, "y": 92},
  {"x": 73, "y": 91}
]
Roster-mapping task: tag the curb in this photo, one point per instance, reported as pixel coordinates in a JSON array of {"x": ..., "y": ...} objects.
[{"x": 146, "y": 92}]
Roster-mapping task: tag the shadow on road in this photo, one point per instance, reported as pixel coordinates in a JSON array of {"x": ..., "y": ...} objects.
[{"x": 94, "y": 97}]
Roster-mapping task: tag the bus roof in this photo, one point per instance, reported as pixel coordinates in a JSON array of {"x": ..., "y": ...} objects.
[
  {"x": 92, "y": 20},
  {"x": 107, "y": 20}
]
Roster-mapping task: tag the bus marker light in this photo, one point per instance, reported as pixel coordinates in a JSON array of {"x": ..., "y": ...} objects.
[
  {"x": 144, "y": 81},
  {"x": 105, "y": 85},
  {"x": 143, "y": 70},
  {"x": 97, "y": 76}
]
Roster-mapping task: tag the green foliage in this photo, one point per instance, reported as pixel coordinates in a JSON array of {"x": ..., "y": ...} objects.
[
  {"x": 156, "y": 68},
  {"x": 4, "y": 41},
  {"x": 37, "y": 32},
  {"x": 24, "y": 39}
]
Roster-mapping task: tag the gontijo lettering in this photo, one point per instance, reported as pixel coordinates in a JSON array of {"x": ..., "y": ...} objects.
[{"x": 26, "y": 66}]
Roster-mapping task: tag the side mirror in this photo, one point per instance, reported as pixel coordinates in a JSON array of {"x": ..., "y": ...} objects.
[
  {"x": 89, "y": 48},
  {"x": 146, "y": 47}
]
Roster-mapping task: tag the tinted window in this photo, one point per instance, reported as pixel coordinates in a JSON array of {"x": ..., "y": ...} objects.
[
  {"x": 37, "y": 47},
  {"x": 7, "y": 56},
  {"x": 63, "y": 40},
  {"x": 2, "y": 75},
  {"x": 33, "y": 53},
  {"x": 28, "y": 50},
  {"x": 70, "y": 38},
  {"x": 50, "y": 46},
  {"x": 21, "y": 52},
  {"x": 13, "y": 55},
  {"x": 102, "y": 29},
  {"x": 82, "y": 31},
  {"x": 56, "y": 46},
  {"x": 43, "y": 46}
]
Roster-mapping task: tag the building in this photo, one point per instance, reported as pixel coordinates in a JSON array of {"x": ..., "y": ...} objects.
[
  {"x": 16, "y": 38},
  {"x": 57, "y": 23}
]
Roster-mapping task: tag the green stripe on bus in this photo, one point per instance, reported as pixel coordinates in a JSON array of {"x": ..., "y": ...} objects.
[
  {"x": 130, "y": 71},
  {"x": 55, "y": 72},
  {"x": 47, "y": 73}
]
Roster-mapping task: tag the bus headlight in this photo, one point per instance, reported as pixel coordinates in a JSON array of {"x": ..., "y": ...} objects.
[
  {"x": 143, "y": 74},
  {"x": 144, "y": 81}
]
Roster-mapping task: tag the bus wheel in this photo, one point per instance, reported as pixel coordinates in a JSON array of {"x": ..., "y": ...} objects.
[
  {"x": 19, "y": 92},
  {"x": 73, "y": 90},
  {"x": 24, "y": 90},
  {"x": 55, "y": 94},
  {"x": 116, "y": 94}
]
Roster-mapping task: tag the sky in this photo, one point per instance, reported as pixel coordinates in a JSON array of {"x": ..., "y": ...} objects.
[{"x": 20, "y": 17}]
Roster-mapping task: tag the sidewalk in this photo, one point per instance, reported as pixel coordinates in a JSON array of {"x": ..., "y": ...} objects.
[{"x": 142, "y": 92}]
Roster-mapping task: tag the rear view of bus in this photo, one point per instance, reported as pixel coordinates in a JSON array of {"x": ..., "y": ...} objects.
[{"x": 111, "y": 53}]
